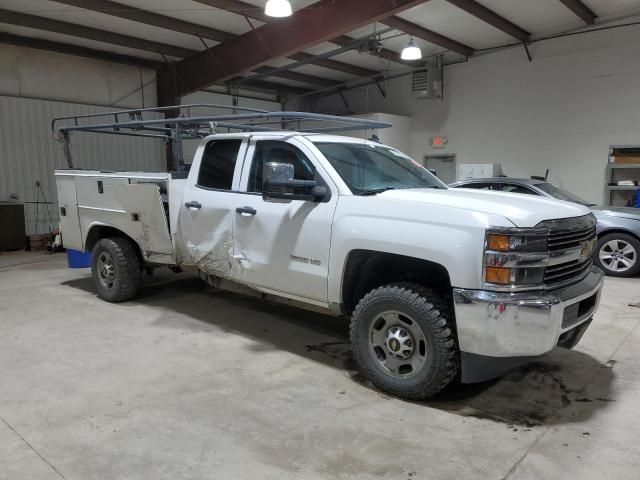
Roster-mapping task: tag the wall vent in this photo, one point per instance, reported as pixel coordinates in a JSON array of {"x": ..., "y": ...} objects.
[{"x": 427, "y": 83}]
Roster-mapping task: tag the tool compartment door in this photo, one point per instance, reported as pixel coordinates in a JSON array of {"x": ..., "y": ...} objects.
[
  {"x": 69, "y": 220},
  {"x": 146, "y": 220}
]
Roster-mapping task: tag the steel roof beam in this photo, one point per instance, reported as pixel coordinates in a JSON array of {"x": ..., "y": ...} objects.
[
  {"x": 581, "y": 10},
  {"x": 90, "y": 33},
  {"x": 492, "y": 18},
  {"x": 326, "y": 20},
  {"x": 428, "y": 35},
  {"x": 66, "y": 28},
  {"x": 149, "y": 18},
  {"x": 116, "y": 9},
  {"x": 85, "y": 52},
  {"x": 76, "y": 50},
  {"x": 295, "y": 76},
  {"x": 246, "y": 9}
]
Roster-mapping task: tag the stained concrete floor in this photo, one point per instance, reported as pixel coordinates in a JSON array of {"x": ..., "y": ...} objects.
[{"x": 189, "y": 383}]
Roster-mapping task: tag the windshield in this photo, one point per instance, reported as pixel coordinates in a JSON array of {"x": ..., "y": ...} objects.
[
  {"x": 561, "y": 194},
  {"x": 367, "y": 168}
]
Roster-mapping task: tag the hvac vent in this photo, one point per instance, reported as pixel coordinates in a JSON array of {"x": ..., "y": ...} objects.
[{"x": 427, "y": 83}]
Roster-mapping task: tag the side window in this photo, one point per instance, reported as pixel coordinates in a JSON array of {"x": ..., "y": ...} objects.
[
  {"x": 218, "y": 164},
  {"x": 510, "y": 187},
  {"x": 282, "y": 152},
  {"x": 478, "y": 186}
]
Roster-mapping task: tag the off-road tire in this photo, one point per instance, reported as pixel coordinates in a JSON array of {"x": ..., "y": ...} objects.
[
  {"x": 628, "y": 239},
  {"x": 127, "y": 267},
  {"x": 434, "y": 316}
]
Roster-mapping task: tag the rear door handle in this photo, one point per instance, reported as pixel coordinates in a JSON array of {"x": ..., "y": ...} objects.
[
  {"x": 246, "y": 210},
  {"x": 193, "y": 204}
]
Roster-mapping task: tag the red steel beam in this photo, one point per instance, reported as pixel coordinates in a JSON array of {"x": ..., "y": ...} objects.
[
  {"x": 492, "y": 18},
  {"x": 128, "y": 12},
  {"x": 257, "y": 13},
  {"x": 326, "y": 20},
  {"x": 581, "y": 10}
]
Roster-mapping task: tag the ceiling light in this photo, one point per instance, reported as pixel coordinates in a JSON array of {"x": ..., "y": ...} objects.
[
  {"x": 411, "y": 52},
  {"x": 278, "y": 8}
]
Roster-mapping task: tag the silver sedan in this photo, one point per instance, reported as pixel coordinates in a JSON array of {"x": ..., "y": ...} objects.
[{"x": 618, "y": 228}]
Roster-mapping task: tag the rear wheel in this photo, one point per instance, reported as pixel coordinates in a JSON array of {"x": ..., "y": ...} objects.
[
  {"x": 116, "y": 269},
  {"x": 618, "y": 254},
  {"x": 403, "y": 340}
]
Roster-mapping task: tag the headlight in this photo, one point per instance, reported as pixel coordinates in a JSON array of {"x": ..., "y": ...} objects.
[{"x": 515, "y": 259}]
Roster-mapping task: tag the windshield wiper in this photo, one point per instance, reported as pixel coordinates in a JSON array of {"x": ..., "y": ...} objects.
[{"x": 375, "y": 191}]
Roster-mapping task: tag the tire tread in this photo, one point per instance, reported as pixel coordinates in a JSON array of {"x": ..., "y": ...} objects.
[
  {"x": 129, "y": 269},
  {"x": 437, "y": 311}
]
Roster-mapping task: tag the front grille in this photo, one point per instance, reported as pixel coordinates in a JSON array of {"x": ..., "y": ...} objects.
[
  {"x": 569, "y": 237},
  {"x": 565, "y": 240},
  {"x": 564, "y": 272}
]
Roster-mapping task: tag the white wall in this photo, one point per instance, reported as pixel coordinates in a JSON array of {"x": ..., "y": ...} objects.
[
  {"x": 561, "y": 111},
  {"x": 27, "y": 72}
]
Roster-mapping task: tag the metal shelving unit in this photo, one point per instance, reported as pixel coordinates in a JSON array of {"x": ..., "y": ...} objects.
[{"x": 618, "y": 194}]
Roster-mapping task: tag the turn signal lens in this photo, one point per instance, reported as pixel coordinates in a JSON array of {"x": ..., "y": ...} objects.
[
  {"x": 500, "y": 276},
  {"x": 497, "y": 242}
]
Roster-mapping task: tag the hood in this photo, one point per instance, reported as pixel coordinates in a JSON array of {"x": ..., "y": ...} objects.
[
  {"x": 621, "y": 212},
  {"x": 521, "y": 210}
]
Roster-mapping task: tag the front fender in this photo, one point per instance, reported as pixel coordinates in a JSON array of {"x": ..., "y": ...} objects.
[{"x": 451, "y": 237}]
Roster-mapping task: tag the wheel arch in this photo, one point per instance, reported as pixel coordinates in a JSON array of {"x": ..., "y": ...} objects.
[
  {"x": 98, "y": 231},
  {"x": 368, "y": 269},
  {"x": 611, "y": 230}
]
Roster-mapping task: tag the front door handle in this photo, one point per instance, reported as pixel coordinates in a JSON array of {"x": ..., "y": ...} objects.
[
  {"x": 246, "y": 210},
  {"x": 193, "y": 204}
]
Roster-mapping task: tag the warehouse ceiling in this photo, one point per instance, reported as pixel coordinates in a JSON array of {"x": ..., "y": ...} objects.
[{"x": 325, "y": 45}]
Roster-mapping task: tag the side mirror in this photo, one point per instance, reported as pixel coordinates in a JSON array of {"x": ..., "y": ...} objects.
[
  {"x": 433, "y": 172},
  {"x": 278, "y": 183}
]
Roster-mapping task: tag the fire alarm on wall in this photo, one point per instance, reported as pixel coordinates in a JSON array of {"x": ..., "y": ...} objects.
[{"x": 438, "y": 142}]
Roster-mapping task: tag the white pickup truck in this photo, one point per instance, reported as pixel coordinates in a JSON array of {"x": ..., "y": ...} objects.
[{"x": 440, "y": 284}]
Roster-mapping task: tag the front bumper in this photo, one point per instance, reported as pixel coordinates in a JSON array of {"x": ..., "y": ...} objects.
[{"x": 523, "y": 325}]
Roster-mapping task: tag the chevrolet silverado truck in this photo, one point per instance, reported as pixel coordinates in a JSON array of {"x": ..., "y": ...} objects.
[{"x": 439, "y": 284}]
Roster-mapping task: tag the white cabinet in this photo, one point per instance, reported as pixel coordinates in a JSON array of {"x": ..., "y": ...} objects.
[{"x": 478, "y": 170}]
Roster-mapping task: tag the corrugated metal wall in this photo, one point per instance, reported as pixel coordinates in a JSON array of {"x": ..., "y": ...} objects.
[{"x": 28, "y": 152}]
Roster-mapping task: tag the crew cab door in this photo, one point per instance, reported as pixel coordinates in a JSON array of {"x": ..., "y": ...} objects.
[
  {"x": 204, "y": 236},
  {"x": 282, "y": 246}
]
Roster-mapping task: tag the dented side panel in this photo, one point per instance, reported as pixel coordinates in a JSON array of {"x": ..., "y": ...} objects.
[{"x": 204, "y": 236}]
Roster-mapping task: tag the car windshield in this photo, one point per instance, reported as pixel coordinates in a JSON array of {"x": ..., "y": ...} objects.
[
  {"x": 370, "y": 169},
  {"x": 561, "y": 194}
]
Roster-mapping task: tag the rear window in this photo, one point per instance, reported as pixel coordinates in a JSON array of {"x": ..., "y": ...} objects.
[{"x": 218, "y": 164}]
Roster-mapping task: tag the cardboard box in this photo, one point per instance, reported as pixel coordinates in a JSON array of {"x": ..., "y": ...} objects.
[
  {"x": 38, "y": 242},
  {"x": 622, "y": 158}
]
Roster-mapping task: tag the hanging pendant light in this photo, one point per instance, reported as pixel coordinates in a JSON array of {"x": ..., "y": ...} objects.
[
  {"x": 277, "y": 8},
  {"x": 411, "y": 52}
]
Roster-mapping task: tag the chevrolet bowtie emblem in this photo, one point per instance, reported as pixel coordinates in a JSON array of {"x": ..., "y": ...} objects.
[{"x": 587, "y": 248}]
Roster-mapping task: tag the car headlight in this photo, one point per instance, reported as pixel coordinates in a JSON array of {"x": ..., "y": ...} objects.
[{"x": 514, "y": 259}]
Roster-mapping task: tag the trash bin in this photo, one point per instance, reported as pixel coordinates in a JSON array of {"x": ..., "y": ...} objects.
[{"x": 78, "y": 259}]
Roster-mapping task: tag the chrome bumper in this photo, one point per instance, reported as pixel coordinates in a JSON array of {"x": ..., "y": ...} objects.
[{"x": 528, "y": 324}]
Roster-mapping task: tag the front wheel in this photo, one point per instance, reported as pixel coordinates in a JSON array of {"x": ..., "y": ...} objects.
[
  {"x": 618, "y": 254},
  {"x": 116, "y": 269},
  {"x": 403, "y": 340}
]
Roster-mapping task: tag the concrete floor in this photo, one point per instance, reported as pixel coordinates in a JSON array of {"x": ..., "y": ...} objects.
[{"x": 188, "y": 383}]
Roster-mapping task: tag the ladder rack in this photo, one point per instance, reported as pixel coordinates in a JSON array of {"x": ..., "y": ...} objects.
[{"x": 175, "y": 123}]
